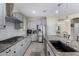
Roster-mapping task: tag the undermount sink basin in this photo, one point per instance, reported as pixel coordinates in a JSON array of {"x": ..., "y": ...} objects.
[{"x": 61, "y": 47}]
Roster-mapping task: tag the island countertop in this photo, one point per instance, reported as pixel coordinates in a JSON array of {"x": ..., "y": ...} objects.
[{"x": 71, "y": 43}]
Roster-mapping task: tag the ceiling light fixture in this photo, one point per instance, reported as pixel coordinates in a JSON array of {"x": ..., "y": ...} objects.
[
  {"x": 44, "y": 11},
  {"x": 33, "y": 11},
  {"x": 57, "y": 11},
  {"x": 67, "y": 20},
  {"x": 60, "y": 4}
]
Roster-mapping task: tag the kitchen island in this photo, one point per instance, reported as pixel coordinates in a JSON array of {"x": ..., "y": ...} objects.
[{"x": 71, "y": 43}]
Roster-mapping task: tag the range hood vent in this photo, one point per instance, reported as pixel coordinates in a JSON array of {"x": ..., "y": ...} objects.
[
  {"x": 12, "y": 19},
  {"x": 9, "y": 9}
]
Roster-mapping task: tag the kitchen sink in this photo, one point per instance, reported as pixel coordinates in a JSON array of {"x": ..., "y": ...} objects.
[{"x": 61, "y": 47}]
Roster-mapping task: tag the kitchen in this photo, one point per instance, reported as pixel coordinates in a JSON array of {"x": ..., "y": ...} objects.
[{"x": 39, "y": 29}]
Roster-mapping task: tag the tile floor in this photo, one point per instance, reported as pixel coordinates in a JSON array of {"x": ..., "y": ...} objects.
[{"x": 35, "y": 49}]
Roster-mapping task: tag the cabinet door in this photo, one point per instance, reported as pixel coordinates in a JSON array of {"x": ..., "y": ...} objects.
[
  {"x": 22, "y": 50},
  {"x": 28, "y": 41},
  {"x": 2, "y": 15},
  {"x": 25, "y": 43},
  {"x": 19, "y": 48},
  {"x": 49, "y": 51},
  {"x": 13, "y": 50}
]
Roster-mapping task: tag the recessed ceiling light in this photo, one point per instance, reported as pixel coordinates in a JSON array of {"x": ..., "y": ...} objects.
[
  {"x": 57, "y": 11},
  {"x": 33, "y": 11},
  {"x": 60, "y": 4},
  {"x": 44, "y": 11},
  {"x": 67, "y": 20}
]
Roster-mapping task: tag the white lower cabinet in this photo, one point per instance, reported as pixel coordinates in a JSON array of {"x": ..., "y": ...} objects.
[
  {"x": 13, "y": 50},
  {"x": 25, "y": 46},
  {"x": 18, "y": 49},
  {"x": 22, "y": 49},
  {"x": 8, "y": 52},
  {"x": 49, "y": 51}
]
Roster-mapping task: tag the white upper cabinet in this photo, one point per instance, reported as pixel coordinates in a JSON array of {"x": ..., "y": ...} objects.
[{"x": 2, "y": 15}]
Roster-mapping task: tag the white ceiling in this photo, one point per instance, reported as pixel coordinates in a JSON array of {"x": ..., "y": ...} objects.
[{"x": 64, "y": 9}]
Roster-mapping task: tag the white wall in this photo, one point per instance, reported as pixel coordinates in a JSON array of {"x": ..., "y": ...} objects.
[
  {"x": 73, "y": 34},
  {"x": 65, "y": 26},
  {"x": 33, "y": 22},
  {"x": 2, "y": 14},
  {"x": 51, "y": 25}
]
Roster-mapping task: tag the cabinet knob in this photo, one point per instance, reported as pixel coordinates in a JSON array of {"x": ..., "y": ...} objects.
[
  {"x": 8, "y": 51},
  {"x": 48, "y": 53},
  {"x": 14, "y": 51},
  {"x": 21, "y": 44}
]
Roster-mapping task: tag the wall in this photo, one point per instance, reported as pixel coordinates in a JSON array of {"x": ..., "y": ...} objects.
[
  {"x": 64, "y": 26},
  {"x": 2, "y": 15},
  {"x": 73, "y": 34},
  {"x": 33, "y": 22},
  {"x": 51, "y": 25}
]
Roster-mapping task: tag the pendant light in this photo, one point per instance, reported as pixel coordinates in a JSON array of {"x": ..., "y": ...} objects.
[{"x": 57, "y": 11}]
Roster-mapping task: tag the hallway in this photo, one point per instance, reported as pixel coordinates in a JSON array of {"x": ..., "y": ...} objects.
[{"x": 35, "y": 49}]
